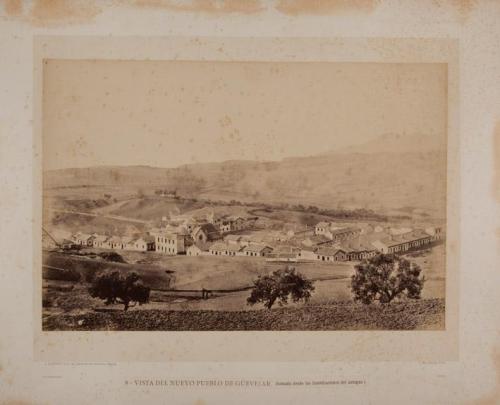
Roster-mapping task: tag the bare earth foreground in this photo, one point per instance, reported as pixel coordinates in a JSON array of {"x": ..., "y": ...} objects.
[{"x": 418, "y": 314}]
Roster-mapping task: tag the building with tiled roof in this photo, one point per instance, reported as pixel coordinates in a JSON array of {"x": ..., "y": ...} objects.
[
  {"x": 225, "y": 249},
  {"x": 336, "y": 233},
  {"x": 205, "y": 233},
  {"x": 408, "y": 241},
  {"x": 257, "y": 249},
  {"x": 331, "y": 254}
]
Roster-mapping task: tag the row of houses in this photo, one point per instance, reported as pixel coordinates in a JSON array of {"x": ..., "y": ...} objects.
[
  {"x": 141, "y": 244},
  {"x": 328, "y": 242},
  {"x": 232, "y": 249},
  {"x": 364, "y": 247},
  {"x": 404, "y": 242}
]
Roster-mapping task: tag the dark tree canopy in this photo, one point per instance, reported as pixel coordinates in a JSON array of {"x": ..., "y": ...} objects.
[
  {"x": 279, "y": 286},
  {"x": 386, "y": 277},
  {"x": 123, "y": 288}
]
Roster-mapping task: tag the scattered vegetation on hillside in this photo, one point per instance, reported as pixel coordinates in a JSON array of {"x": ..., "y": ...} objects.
[{"x": 81, "y": 204}]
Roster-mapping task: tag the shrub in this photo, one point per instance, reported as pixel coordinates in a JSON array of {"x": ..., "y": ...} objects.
[
  {"x": 118, "y": 288},
  {"x": 386, "y": 277},
  {"x": 112, "y": 257},
  {"x": 279, "y": 286},
  {"x": 89, "y": 274}
]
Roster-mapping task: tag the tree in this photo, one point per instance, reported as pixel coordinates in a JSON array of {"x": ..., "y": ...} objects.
[
  {"x": 119, "y": 288},
  {"x": 280, "y": 285},
  {"x": 386, "y": 277}
]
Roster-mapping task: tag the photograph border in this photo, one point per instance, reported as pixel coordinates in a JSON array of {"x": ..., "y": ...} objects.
[{"x": 251, "y": 345}]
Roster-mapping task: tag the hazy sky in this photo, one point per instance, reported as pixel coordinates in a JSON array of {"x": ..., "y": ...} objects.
[{"x": 163, "y": 113}]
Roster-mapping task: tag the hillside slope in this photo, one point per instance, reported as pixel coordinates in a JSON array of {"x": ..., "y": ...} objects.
[{"x": 384, "y": 177}]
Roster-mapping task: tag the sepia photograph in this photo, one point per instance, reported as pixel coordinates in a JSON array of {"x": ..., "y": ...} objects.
[
  {"x": 243, "y": 195},
  {"x": 250, "y": 201}
]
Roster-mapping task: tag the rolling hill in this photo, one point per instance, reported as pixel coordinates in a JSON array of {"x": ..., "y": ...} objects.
[{"x": 389, "y": 174}]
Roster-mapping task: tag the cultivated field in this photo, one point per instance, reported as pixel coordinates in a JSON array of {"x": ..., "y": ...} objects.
[{"x": 424, "y": 314}]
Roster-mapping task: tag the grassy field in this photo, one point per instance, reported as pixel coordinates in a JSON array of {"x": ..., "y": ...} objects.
[
  {"x": 194, "y": 272},
  {"x": 223, "y": 272},
  {"x": 407, "y": 315},
  {"x": 151, "y": 275},
  {"x": 162, "y": 272}
]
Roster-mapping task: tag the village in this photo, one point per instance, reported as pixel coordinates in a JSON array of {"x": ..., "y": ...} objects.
[{"x": 206, "y": 233}]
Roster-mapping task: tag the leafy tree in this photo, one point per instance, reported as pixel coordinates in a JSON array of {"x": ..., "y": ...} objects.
[
  {"x": 280, "y": 285},
  {"x": 386, "y": 277},
  {"x": 119, "y": 288}
]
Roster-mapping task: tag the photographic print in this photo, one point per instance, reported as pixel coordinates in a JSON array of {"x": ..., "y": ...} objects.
[{"x": 243, "y": 195}]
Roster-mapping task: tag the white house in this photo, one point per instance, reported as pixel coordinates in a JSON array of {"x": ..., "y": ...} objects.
[
  {"x": 225, "y": 249},
  {"x": 198, "y": 249},
  {"x": 170, "y": 243},
  {"x": 331, "y": 254},
  {"x": 307, "y": 253},
  {"x": 256, "y": 249},
  {"x": 143, "y": 244}
]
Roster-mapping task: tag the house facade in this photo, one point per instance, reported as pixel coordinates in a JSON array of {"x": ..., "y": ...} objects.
[
  {"x": 307, "y": 254},
  {"x": 170, "y": 243},
  {"x": 145, "y": 244},
  {"x": 82, "y": 239},
  {"x": 225, "y": 249},
  {"x": 198, "y": 249},
  {"x": 256, "y": 249},
  {"x": 329, "y": 254}
]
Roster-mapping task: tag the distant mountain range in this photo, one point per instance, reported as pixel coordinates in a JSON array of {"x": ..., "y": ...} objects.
[
  {"x": 398, "y": 143},
  {"x": 390, "y": 172}
]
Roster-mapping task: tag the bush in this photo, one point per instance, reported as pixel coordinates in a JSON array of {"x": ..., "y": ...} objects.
[
  {"x": 118, "y": 288},
  {"x": 279, "y": 286},
  {"x": 112, "y": 257},
  {"x": 89, "y": 275},
  {"x": 386, "y": 277}
]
